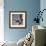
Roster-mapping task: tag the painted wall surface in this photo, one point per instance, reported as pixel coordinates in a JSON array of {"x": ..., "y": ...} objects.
[
  {"x": 43, "y": 6},
  {"x": 1, "y": 20},
  {"x": 31, "y": 6}
]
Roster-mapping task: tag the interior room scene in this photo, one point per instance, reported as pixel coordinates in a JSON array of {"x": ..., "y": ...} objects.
[{"x": 22, "y": 23}]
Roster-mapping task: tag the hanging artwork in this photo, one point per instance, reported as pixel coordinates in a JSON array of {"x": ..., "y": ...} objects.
[{"x": 17, "y": 19}]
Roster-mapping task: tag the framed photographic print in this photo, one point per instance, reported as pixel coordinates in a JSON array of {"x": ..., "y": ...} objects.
[{"x": 17, "y": 19}]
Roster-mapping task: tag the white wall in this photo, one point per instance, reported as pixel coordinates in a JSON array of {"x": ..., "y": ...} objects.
[{"x": 1, "y": 20}]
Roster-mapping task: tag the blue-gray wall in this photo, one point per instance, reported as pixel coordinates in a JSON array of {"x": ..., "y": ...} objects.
[
  {"x": 43, "y": 6},
  {"x": 31, "y": 6}
]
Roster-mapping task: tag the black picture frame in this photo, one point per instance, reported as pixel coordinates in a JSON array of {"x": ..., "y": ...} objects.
[{"x": 17, "y": 19}]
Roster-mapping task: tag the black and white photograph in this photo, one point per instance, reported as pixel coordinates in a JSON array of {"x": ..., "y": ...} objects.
[{"x": 17, "y": 18}]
